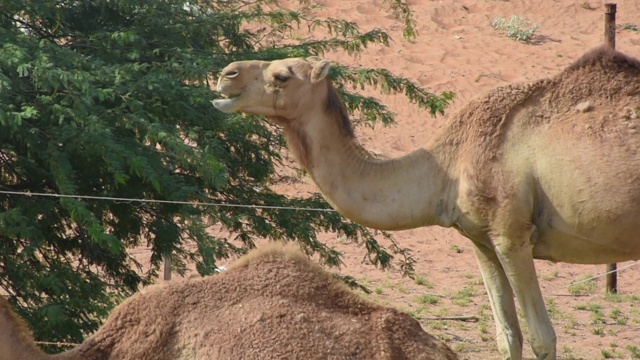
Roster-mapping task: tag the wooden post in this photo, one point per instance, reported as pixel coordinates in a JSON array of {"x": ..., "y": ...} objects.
[
  {"x": 167, "y": 265},
  {"x": 610, "y": 40},
  {"x": 610, "y": 25}
]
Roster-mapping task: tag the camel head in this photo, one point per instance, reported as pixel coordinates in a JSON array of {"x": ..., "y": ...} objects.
[{"x": 281, "y": 90}]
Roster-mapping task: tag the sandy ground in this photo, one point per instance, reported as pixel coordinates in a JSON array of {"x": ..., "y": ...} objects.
[{"x": 457, "y": 49}]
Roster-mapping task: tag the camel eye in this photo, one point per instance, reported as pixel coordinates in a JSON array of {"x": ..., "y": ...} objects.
[{"x": 281, "y": 78}]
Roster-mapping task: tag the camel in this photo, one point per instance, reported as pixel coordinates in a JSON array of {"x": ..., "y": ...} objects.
[
  {"x": 273, "y": 303},
  {"x": 543, "y": 170}
]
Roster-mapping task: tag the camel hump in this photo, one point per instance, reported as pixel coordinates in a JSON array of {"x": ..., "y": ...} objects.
[
  {"x": 276, "y": 301},
  {"x": 607, "y": 58},
  {"x": 602, "y": 76}
]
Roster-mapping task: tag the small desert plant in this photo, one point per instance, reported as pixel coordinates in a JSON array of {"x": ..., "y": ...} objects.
[
  {"x": 587, "y": 5},
  {"x": 567, "y": 353},
  {"x": 554, "y": 274},
  {"x": 598, "y": 330},
  {"x": 617, "y": 315},
  {"x": 416, "y": 313},
  {"x": 597, "y": 315},
  {"x": 628, "y": 26},
  {"x": 606, "y": 354},
  {"x": 463, "y": 297},
  {"x": 613, "y": 297},
  {"x": 428, "y": 299},
  {"x": 552, "y": 308},
  {"x": 422, "y": 280},
  {"x": 517, "y": 28},
  {"x": 635, "y": 351},
  {"x": 585, "y": 286}
]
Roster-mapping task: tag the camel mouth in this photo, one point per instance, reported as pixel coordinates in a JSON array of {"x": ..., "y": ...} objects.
[
  {"x": 227, "y": 102},
  {"x": 230, "y": 96}
]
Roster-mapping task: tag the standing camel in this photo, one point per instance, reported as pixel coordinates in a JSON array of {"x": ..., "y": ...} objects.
[{"x": 543, "y": 170}]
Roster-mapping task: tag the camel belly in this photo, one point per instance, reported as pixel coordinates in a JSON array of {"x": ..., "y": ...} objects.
[
  {"x": 587, "y": 201},
  {"x": 559, "y": 242},
  {"x": 583, "y": 226}
]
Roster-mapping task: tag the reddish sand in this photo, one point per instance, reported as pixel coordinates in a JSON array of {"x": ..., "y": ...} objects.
[{"x": 457, "y": 49}]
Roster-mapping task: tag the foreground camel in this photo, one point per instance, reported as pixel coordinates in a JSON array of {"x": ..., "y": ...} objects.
[
  {"x": 272, "y": 304},
  {"x": 544, "y": 170}
]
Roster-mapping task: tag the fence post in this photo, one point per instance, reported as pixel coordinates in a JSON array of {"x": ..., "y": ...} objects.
[
  {"x": 610, "y": 25},
  {"x": 610, "y": 40},
  {"x": 167, "y": 265}
]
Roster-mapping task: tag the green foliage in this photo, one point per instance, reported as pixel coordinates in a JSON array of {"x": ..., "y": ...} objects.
[
  {"x": 402, "y": 11},
  {"x": 517, "y": 28},
  {"x": 112, "y": 99}
]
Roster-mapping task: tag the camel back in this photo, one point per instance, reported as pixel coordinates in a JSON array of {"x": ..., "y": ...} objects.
[{"x": 603, "y": 80}]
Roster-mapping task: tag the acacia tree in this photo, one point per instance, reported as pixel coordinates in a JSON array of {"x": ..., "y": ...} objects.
[{"x": 111, "y": 99}]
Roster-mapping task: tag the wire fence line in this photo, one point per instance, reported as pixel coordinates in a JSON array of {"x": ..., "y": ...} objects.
[
  {"x": 269, "y": 207},
  {"x": 552, "y": 289},
  {"x": 58, "y": 343},
  {"x": 617, "y": 270},
  {"x": 132, "y": 200}
]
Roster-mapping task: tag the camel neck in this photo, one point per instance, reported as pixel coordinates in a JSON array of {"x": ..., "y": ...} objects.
[
  {"x": 394, "y": 194},
  {"x": 15, "y": 340}
]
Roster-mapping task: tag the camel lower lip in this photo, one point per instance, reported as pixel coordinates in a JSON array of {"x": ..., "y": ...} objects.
[{"x": 225, "y": 104}]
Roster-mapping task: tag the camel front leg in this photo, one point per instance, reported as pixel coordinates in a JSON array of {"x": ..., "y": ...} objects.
[
  {"x": 508, "y": 331},
  {"x": 515, "y": 252}
]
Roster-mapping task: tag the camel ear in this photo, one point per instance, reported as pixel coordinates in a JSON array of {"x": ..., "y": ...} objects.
[{"x": 320, "y": 71}]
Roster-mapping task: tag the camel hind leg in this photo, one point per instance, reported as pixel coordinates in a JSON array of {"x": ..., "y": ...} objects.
[{"x": 509, "y": 335}]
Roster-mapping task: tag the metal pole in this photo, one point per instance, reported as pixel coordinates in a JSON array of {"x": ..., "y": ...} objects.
[{"x": 610, "y": 40}]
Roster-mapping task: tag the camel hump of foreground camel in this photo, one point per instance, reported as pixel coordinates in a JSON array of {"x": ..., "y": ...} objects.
[
  {"x": 272, "y": 304},
  {"x": 595, "y": 97}
]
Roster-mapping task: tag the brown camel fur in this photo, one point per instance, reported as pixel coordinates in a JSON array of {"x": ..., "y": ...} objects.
[
  {"x": 272, "y": 304},
  {"x": 543, "y": 170}
]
